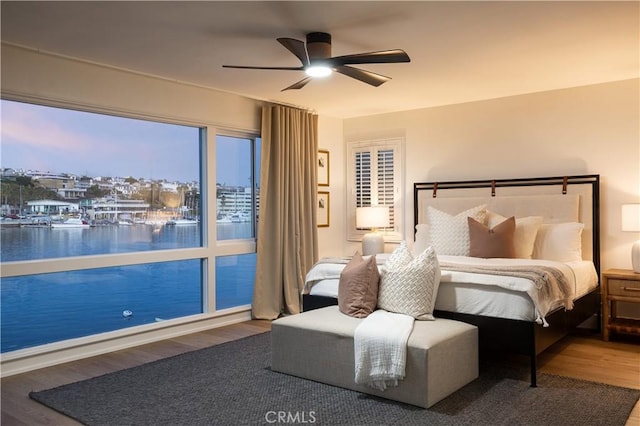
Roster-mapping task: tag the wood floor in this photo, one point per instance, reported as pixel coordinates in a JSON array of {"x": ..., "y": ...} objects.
[{"x": 583, "y": 356}]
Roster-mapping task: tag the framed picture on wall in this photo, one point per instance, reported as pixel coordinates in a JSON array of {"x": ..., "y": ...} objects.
[
  {"x": 323, "y": 167},
  {"x": 323, "y": 209}
]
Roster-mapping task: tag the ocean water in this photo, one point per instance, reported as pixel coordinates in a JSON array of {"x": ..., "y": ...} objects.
[{"x": 46, "y": 308}]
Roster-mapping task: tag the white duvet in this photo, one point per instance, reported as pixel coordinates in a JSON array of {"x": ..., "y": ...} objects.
[{"x": 480, "y": 294}]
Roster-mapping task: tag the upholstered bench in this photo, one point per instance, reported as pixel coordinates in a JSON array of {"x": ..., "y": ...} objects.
[{"x": 442, "y": 355}]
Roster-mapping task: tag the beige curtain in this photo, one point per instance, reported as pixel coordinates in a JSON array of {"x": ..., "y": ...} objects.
[{"x": 287, "y": 234}]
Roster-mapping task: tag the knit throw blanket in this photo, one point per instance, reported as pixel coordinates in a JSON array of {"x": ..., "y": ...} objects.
[
  {"x": 549, "y": 283},
  {"x": 380, "y": 349}
]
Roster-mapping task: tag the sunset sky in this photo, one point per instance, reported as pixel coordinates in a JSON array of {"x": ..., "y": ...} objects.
[{"x": 64, "y": 141}]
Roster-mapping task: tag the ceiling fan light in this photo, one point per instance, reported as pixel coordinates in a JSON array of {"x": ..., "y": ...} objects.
[{"x": 318, "y": 71}]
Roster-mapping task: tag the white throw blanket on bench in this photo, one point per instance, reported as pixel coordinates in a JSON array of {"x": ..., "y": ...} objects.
[{"x": 380, "y": 347}]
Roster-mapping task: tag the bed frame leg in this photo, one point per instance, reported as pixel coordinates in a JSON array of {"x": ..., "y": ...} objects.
[{"x": 533, "y": 371}]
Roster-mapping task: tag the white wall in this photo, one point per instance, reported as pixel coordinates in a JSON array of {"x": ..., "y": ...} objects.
[
  {"x": 331, "y": 240},
  {"x": 585, "y": 130},
  {"x": 29, "y": 74}
]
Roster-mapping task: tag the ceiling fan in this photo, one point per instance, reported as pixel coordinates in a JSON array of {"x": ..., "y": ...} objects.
[{"x": 316, "y": 60}]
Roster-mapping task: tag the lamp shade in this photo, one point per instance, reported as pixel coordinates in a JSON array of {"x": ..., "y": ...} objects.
[
  {"x": 372, "y": 217},
  {"x": 631, "y": 217}
]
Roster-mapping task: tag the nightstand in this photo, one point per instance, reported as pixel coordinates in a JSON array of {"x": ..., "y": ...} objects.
[{"x": 619, "y": 285}]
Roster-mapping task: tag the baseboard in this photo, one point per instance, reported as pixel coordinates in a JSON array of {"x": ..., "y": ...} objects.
[{"x": 24, "y": 360}]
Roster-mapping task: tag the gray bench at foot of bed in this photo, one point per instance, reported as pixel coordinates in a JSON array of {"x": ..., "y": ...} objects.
[{"x": 442, "y": 355}]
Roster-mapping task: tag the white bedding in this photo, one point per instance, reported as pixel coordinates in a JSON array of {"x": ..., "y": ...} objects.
[{"x": 481, "y": 294}]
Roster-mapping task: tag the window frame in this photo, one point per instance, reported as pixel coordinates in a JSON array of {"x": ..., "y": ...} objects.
[
  {"x": 206, "y": 253},
  {"x": 240, "y": 246},
  {"x": 396, "y": 234}
]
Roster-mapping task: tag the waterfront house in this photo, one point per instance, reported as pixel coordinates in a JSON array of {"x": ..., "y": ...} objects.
[{"x": 52, "y": 207}]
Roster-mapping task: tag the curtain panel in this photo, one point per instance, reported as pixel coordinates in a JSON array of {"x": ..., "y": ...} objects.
[{"x": 287, "y": 233}]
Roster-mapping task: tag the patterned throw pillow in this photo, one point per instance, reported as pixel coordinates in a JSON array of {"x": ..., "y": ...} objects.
[
  {"x": 449, "y": 235},
  {"x": 358, "y": 287},
  {"x": 409, "y": 285}
]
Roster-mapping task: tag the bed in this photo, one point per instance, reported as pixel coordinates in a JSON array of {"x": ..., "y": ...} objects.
[{"x": 565, "y": 214}]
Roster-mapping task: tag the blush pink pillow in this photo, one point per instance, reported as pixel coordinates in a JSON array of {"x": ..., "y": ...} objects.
[
  {"x": 492, "y": 242},
  {"x": 358, "y": 287}
]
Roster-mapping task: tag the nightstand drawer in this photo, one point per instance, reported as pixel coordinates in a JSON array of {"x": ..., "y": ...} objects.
[{"x": 624, "y": 288}]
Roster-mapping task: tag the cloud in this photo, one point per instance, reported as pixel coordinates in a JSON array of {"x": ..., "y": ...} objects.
[
  {"x": 24, "y": 124},
  {"x": 64, "y": 141}
]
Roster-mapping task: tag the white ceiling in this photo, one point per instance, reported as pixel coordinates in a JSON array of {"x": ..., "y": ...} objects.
[{"x": 460, "y": 51}]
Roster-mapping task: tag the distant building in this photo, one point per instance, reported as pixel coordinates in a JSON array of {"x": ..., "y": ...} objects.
[
  {"x": 52, "y": 207},
  {"x": 232, "y": 200},
  {"x": 63, "y": 184},
  {"x": 71, "y": 193},
  {"x": 112, "y": 209}
]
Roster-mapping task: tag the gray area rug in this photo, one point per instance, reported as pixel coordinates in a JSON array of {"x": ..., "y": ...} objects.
[{"x": 232, "y": 384}]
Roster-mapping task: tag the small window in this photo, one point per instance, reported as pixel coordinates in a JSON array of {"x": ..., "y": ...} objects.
[
  {"x": 237, "y": 176},
  {"x": 374, "y": 179},
  {"x": 237, "y": 195}
]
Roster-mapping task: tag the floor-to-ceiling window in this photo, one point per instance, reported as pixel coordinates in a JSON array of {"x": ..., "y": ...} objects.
[{"x": 107, "y": 224}]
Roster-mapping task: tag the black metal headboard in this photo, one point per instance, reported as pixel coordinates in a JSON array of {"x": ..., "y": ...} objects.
[{"x": 562, "y": 182}]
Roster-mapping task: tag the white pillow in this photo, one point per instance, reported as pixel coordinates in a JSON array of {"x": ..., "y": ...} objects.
[
  {"x": 526, "y": 232},
  {"x": 450, "y": 234},
  {"x": 409, "y": 285},
  {"x": 561, "y": 242}
]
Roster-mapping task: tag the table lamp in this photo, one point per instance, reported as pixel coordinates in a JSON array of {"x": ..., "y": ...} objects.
[
  {"x": 372, "y": 217},
  {"x": 631, "y": 223}
]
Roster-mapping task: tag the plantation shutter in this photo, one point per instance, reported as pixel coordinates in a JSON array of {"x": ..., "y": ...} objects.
[
  {"x": 363, "y": 178},
  {"x": 386, "y": 182},
  {"x": 374, "y": 179}
]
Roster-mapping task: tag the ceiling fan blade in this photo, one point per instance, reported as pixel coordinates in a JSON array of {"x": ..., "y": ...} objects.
[
  {"x": 245, "y": 67},
  {"x": 296, "y": 47},
  {"x": 299, "y": 85},
  {"x": 363, "y": 75},
  {"x": 380, "y": 57}
]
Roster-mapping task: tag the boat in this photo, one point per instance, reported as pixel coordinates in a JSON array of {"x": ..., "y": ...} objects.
[
  {"x": 179, "y": 222},
  {"x": 37, "y": 222},
  {"x": 73, "y": 222}
]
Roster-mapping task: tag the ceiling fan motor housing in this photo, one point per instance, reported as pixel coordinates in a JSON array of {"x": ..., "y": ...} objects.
[{"x": 318, "y": 46}]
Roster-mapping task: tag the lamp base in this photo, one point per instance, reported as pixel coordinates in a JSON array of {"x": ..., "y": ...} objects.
[
  {"x": 635, "y": 257},
  {"x": 372, "y": 243}
]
